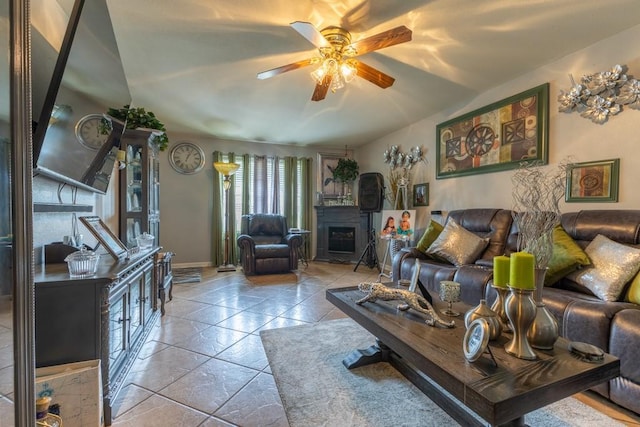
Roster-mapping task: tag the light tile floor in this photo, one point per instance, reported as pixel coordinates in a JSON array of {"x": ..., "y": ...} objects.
[{"x": 203, "y": 363}]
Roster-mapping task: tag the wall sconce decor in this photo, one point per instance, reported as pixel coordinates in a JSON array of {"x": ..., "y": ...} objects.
[{"x": 601, "y": 95}]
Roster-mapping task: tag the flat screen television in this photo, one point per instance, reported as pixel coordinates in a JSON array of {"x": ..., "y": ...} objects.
[{"x": 86, "y": 79}]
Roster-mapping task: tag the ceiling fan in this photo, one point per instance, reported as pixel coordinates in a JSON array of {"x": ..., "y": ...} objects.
[{"x": 337, "y": 63}]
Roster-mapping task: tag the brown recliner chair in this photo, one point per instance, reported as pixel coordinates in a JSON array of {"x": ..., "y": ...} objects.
[{"x": 265, "y": 245}]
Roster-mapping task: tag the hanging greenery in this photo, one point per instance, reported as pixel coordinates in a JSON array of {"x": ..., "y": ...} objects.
[{"x": 137, "y": 118}]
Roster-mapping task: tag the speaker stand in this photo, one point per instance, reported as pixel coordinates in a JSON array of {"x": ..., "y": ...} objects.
[{"x": 370, "y": 253}]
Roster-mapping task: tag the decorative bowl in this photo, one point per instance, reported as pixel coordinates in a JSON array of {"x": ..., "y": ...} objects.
[
  {"x": 145, "y": 241},
  {"x": 82, "y": 263}
]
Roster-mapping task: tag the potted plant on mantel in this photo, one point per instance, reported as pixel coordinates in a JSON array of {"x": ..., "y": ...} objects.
[
  {"x": 345, "y": 172},
  {"x": 137, "y": 118}
]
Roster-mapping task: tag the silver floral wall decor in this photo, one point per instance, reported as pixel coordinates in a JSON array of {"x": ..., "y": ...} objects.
[{"x": 601, "y": 95}]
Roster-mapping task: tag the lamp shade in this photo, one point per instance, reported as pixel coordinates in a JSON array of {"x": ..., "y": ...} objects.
[{"x": 226, "y": 169}]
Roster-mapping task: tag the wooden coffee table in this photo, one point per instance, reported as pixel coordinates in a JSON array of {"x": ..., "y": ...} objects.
[{"x": 432, "y": 359}]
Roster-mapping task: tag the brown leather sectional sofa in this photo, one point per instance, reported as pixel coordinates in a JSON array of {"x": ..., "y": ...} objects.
[{"x": 612, "y": 326}]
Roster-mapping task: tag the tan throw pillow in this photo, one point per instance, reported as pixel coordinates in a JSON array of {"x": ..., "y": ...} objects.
[
  {"x": 457, "y": 245},
  {"x": 613, "y": 265},
  {"x": 430, "y": 235}
]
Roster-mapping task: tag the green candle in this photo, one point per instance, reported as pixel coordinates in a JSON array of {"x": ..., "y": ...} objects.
[
  {"x": 521, "y": 270},
  {"x": 501, "y": 270}
]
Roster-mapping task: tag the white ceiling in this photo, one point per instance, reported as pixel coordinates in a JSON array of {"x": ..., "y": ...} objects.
[{"x": 194, "y": 62}]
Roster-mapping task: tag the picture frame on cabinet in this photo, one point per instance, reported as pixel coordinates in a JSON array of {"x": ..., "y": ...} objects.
[{"x": 110, "y": 241}]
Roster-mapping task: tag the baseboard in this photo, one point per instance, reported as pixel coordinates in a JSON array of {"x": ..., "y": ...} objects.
[{"x": 192, "y": 264}]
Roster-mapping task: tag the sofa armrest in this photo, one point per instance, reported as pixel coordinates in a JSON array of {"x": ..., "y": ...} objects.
[
  {"x": 623, "y": 343},
  {"x": 402, "y": 256},
  {"x": 246, "y": 243},
  {"x": 293, "y": 240},
  {"x": 473, "y": 281}
]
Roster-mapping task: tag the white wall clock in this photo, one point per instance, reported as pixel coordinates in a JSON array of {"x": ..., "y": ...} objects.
[
  {"x": 186, "y": 158},
  {"x": 88, "y": 131}
]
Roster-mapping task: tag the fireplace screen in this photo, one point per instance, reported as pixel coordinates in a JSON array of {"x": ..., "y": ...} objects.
[{"x": 342, "y": 239}]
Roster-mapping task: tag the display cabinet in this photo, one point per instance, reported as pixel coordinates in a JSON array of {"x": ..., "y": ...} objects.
[
  {"x": 139, "y": 187},
  {"x": 106, "y": 316}
]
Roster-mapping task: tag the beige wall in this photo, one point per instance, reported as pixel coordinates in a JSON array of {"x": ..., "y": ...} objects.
[{"x": 569, "y": 135}]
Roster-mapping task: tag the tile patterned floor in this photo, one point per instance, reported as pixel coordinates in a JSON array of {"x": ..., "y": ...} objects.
[{"x": 204, "y": 364}]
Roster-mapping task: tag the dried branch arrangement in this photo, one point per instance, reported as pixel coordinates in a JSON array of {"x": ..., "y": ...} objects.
[{"x": 536, "y": 211}]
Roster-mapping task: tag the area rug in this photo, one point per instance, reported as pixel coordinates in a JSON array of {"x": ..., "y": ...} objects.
[
  {"x": 317, "y": 390},
  {"x": 187, "y": 275}
]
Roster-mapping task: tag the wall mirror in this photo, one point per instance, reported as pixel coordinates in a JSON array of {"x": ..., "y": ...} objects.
[{"x": 76, "y": 74}]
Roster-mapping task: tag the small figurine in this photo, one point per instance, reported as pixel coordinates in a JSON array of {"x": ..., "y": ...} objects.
[{"x": 412, "y": 300}]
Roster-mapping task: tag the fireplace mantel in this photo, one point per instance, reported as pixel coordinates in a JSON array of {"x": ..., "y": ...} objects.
[{"x": 340, "y": 217}]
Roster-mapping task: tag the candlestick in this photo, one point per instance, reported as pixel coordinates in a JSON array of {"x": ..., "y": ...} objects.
[
  {"x": 501, "y": 265},
  {"x": 521, "y": 270}
]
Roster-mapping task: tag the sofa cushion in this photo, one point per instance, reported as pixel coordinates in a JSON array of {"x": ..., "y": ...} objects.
[
  {"x": 613, "y": 265},
  {"x": 633, "y": 293},
  {"x": 430, "y": 235},
  {"x": 566, "y": 258},
  {"x": 457, "y": 245}
]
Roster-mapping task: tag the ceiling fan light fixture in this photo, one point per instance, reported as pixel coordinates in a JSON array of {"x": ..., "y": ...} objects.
[
  {"x": 337, "y": 82},
  {"x": 336, "y": 52},
  {"x": 348, "y": 70},
  {"x": 318, "y": 74}
]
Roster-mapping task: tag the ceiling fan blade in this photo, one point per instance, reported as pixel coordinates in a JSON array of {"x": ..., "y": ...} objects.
[
  {"x": 311, "y": 33},
  {"x": 321, "y": 89},
  {"x": 289, "y": 67},
  {"x": 376, "y": 77},
  {"x": 388, "y": 38}
]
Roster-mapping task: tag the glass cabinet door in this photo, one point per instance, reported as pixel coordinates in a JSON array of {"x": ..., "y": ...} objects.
[
  {"x": 135, "y": 306},
  {"x": 139, "y": 188},
  {"x": 118, "y": 319},
  {"x": 134, "y": 181},
  {"x": 148, "y": 288}
]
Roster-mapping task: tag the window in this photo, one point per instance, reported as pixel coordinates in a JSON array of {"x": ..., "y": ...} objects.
[{"x": 266, "y": 187}]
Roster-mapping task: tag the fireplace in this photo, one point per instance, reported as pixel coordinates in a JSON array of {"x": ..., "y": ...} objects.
[
  {"x": 342, "y": 240},
  {"x": 341, "y": 234}
]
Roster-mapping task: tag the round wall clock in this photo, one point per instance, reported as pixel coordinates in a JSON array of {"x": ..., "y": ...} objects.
[
  {"x": 88, "y": 131},
  {"x": 476, "y": 339},
  {"x": 186, "y": 158}
]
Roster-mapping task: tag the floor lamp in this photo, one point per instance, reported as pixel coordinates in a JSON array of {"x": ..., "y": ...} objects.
[{"x": 226, "y": 170}]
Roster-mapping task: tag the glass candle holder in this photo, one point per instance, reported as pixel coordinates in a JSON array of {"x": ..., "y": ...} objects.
[{"x": 449, "y": 293}]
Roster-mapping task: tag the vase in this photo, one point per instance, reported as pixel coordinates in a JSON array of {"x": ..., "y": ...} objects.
[
  {"x": 521, "y": 311},
  {"x": 543, "y": 332},
  {"x": 483, "y": 310},
  {"x": 498, "y": 306}
]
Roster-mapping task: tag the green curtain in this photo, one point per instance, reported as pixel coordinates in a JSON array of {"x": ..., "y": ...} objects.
[
  {"x": 217, "y": 219},
  {"x": 246, "y": 176},
  {"x": 233, "y": 246},
  {"x": 290, "y": 190},
  {"x": 306, "y": 217}
]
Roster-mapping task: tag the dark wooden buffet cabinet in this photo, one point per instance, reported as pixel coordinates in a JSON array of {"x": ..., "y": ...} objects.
[{"x": 106, "y": 317}]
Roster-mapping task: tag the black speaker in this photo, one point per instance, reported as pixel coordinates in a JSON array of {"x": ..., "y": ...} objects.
[{"x": 371, "y": 192}]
